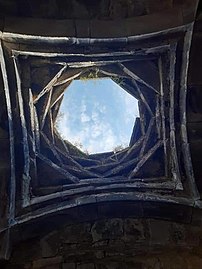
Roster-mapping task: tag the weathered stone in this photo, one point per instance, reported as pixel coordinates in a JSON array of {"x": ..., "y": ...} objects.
[
  {"x": 76, "y": 234},
  {"x": 54, "y": 262},
  {"x": 86, "y": 266},
  {"x": 135, "y": 231},
  {"x": 47, "y": 215},
  {"x": 159, "y": 237},
  {"x": 68, "y": 266},
  {"x": 108, "y": 229},
  {"x": 49, "y": 245}
]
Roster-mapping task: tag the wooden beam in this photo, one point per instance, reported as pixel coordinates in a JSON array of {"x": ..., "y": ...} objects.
[
  {"x": 143, "y": 98},
  {"x": 51, "y": 147},
  {"x": 132, "y": 149},
  {"x": 136, "y": 78},
  {"x": 162, "y": 110},
  {"x": 49, "y": 86},
  {"x": 43, "y": 106},
  {"x": 145, "y": 158},
  {"x": 147, "y": 136},
  {"x": 12, "y": 183},
  {"x": 61, "y": 171},
  {"x": 36, "y": 128},
  {"x": 173, "y": 148},
  {"x": 69, "y": 75},
  {"x": 120, "y": 167},
  {"x": 26, "y": 179},
  {"x": 183, "y": 93}
]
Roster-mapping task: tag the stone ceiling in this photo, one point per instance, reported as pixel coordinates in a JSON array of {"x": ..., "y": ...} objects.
[{"x": 43, "y": 48}]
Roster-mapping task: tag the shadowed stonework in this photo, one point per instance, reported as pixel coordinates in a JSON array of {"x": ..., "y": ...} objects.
[{"x": 138, "y": 207}]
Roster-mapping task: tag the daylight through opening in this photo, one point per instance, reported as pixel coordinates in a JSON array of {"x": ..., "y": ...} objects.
[{"x": 97, "y": 115}]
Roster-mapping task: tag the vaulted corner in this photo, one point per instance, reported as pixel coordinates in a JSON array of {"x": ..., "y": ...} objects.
[
  {"x": 61, "y": 161},
  {"x": 155, "y": 157},
  {"x": 96, "y": 158}
]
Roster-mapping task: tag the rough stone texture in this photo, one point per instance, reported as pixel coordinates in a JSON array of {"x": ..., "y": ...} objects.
[
  {"x": 113, "y": 244},
  {"x": 119, "y": 242},
  {"x": 194, "y": 100},
  {"x": 101, "y": 18},
  {"x": 81, "y": 9}
]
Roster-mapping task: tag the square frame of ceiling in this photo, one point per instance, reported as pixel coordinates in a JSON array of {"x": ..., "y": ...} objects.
[{"x": 171, "y": 51}]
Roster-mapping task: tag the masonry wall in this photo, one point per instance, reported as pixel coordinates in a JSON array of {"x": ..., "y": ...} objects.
[{"x": 113, "y": 244}]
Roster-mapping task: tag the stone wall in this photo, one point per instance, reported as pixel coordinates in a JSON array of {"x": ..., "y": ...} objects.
[
  {"x": 113, "y": 244},
  {"x": 106, "y": 9}
]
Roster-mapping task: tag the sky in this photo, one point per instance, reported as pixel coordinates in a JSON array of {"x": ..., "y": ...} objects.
[{"x": 97, "y": 114}]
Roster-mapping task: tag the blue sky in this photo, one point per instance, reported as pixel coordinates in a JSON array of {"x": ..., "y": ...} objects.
[{"x": 98, "y": 114}]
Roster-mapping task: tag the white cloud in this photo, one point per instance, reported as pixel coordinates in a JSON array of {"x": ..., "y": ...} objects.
[
  {"x": 94, "y": 116},
  {"x": 91, "y": 126},
  {"x": 131, "y": 106},
  {"x": 83, "y": 105},
  {"x": 106, "y": 141},
  {"x": 84, "y": 118}
]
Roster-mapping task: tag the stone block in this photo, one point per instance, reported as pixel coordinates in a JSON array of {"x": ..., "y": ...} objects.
[
  {"x": 77, "y": 233},
  {"x": 68, "y": 266},
  {"x": 54, "y": 262},
  {"x": 107, "y": 229},
  {"x": 136, "y": 230},
  {"x": 153, "y": 22},
  {"x": 86, "y": 266},
  {"x": 121, "y": 209},
  {"x": 159, "y": 232},
  {"x": 104, "y": 29},
  {"x": 82, "y": 28},
  {"x": 40, "y": 27},
  {"x": 49, "y": 245}
]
